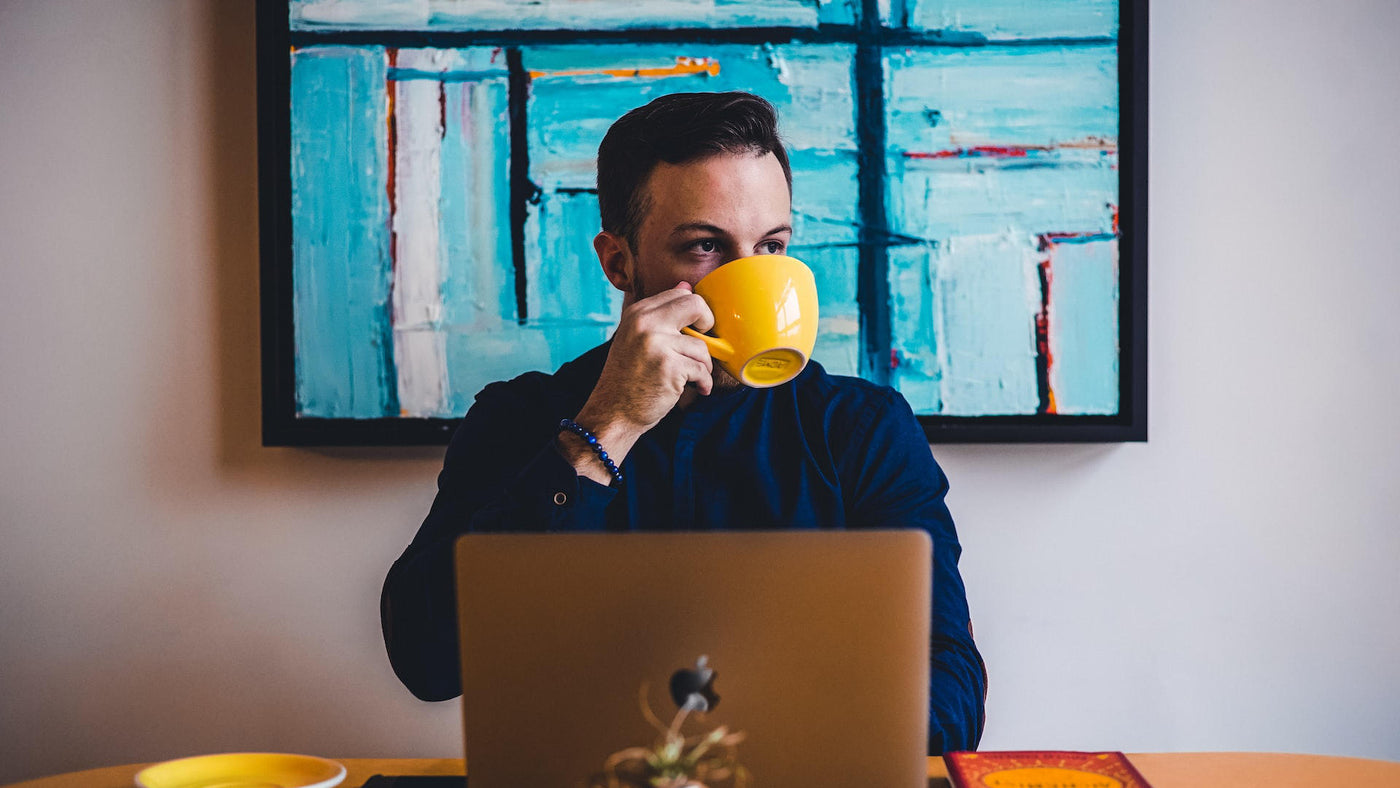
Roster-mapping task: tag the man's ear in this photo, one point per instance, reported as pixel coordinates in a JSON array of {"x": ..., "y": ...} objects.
[{"x": 615, "y": 255}]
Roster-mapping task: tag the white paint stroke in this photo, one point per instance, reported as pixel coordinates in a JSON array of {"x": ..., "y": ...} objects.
[
  {"x": 819, "y": 83},
  {"x": 420, "y": 355},
  {"x": 545, "y": 14},
  {"x": 366, "y": 13}
]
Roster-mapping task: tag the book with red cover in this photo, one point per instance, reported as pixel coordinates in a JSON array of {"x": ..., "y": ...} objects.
[{"x": 1042, "y": 769}]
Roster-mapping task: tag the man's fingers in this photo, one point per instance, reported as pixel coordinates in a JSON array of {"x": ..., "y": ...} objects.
[
  {"x": 679, "y": 292},
  {"x": 686, "y": 309},
  {"x": 674, "y": 309},
  {"x": 687, "y": 356},
  {"x": 700, "y": 377},
  {"x": 695, "y": 349},
  {"x": 706, "y": 320},
  {"x": 681, "y": 370}
]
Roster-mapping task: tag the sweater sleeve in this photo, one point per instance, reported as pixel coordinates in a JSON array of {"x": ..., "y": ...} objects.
[
  {"x": 501, "y": 473},
  {"x": 898, "y": 484}
]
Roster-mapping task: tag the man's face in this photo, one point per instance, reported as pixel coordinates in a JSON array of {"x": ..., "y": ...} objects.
[{"x": 703, "y": 214}]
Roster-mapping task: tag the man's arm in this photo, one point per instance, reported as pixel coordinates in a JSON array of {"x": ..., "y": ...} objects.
[
  {"x": 898, "y": 484},
  {"x": 502, "y": 472},
  {"x": 509, "y": 469},
  {"x": 650, "y": 366}
]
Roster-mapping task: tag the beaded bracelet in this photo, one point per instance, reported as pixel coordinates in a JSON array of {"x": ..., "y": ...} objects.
[{"x": 572, "y": 426}]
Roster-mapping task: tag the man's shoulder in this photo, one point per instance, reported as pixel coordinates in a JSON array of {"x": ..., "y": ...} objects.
[
  {"x": 525, "y": 410},
  {"x": 852, "y": 408},
  {"x": 820, "y": 386}
]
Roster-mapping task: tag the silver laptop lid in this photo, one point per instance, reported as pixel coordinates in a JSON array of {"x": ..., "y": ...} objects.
[{"x": 819, "y": 641}]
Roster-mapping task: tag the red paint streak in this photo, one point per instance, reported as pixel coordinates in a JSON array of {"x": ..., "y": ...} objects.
[
  {"x": 980, "y": 151},
  {"x": 894, "y": 359},
  {"x": 391, "y": 89},
  {"x": 1046, "y": 239},
  {"x": 1042, "y": 333},
  {"x": 1013, "y": 151},
  {"x": 442, "y": 110}
]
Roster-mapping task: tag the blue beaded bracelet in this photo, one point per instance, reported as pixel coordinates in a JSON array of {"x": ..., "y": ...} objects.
[{"x": 572, "y": 426}]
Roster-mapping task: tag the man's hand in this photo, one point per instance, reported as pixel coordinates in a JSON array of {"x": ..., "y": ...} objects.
[{"x": 649, "y": 366}]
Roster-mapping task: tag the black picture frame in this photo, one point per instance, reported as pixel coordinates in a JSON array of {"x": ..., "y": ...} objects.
[{"x": 282, "y": 426}]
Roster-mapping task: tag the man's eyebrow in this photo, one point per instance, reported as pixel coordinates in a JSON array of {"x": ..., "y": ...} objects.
[
  {"x": 713, "y": 230},
  {"x": 697, "y": 227}
]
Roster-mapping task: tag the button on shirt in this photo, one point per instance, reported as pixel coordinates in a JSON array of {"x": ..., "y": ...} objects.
[{"x": 823, "y": 451}]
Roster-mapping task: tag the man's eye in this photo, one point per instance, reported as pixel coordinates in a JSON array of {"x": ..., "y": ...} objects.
[
  {"x": 706, "y": 246},
  {"x": 772, "y": 247}
]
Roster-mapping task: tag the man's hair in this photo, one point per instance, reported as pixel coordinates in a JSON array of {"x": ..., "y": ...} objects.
[{"x": 678, "y": 129}]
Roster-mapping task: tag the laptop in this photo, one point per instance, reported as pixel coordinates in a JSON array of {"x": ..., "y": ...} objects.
[{"x": 813, "y": 644}]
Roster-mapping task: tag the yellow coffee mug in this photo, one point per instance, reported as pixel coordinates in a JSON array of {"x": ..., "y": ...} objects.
[{"x": 765, "y": 310}]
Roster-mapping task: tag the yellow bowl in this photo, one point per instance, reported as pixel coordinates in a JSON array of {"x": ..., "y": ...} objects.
[{"x": 243, "y": 770}]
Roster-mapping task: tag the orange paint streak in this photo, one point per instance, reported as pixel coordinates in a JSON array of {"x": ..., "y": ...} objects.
[
  {"x": 1091, "y": 143},
  {"x": 685, "y": 66}
]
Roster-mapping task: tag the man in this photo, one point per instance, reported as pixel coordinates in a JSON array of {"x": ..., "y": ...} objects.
[{"x": 685, "y": 184}]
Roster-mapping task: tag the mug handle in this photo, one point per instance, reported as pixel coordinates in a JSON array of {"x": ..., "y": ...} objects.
[{"x": 719, "y": 349}]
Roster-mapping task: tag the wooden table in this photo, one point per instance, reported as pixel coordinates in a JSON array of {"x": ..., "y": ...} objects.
[{"x": 1163, "y": 770}]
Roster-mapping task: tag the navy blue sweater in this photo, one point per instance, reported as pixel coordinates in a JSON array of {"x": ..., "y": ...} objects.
[{"x": 823, "y": 451}]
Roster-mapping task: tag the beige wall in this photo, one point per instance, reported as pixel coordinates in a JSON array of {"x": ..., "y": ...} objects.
[{"x": 169, "y": 587}]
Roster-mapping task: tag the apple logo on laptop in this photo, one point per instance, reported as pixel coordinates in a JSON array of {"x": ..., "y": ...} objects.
[{"x": 695, "y": 687}]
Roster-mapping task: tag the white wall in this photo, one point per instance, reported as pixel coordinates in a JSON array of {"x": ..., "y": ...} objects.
[{"x": 169, "y": 587}]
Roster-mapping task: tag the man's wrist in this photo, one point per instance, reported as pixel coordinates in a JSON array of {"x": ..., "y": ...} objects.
[
  {"x": 615, "y": 434},
  {"x": 573, "y": 427},
  {"x": 613, "y": 438}
]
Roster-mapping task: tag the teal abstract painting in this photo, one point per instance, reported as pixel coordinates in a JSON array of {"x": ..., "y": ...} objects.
[{"x": 968, "y": 186}]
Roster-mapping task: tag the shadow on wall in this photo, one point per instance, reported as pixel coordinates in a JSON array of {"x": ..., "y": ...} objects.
[{"x": 231, "y": 82}]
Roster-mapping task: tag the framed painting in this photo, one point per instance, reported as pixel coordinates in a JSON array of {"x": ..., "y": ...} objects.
[{"x": 969, "y": 183}]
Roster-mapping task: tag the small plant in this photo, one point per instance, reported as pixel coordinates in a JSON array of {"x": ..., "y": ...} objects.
[{"x": 704, "y": 760}]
